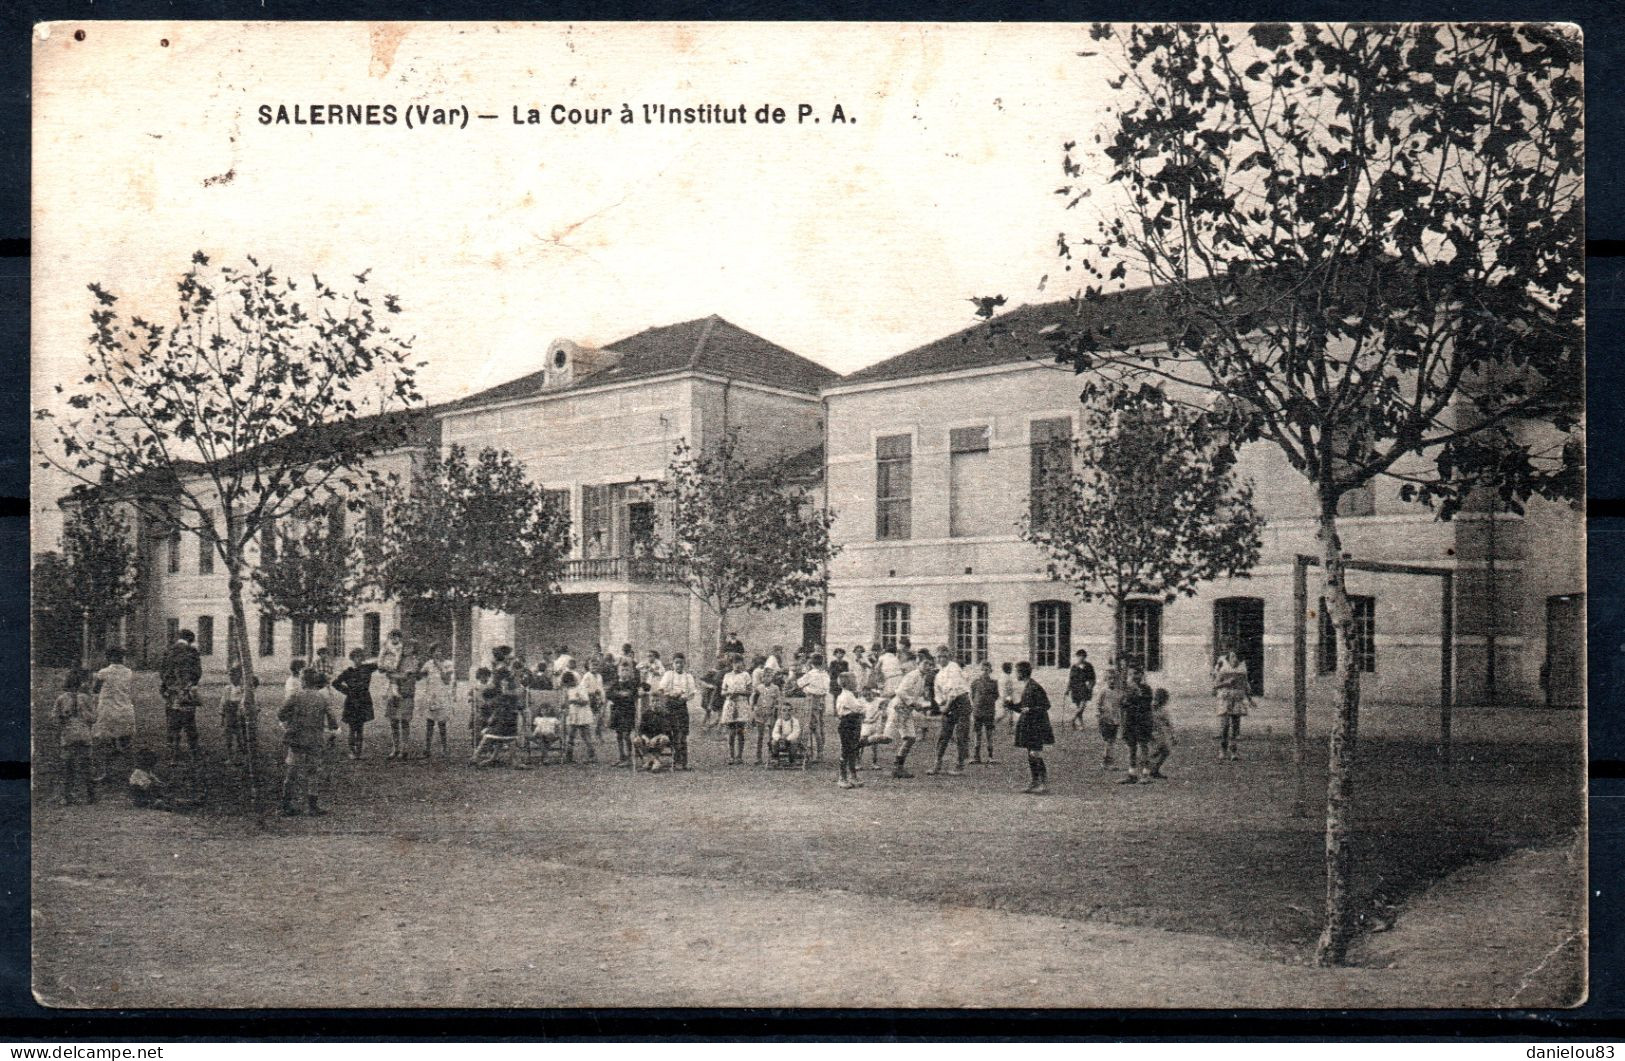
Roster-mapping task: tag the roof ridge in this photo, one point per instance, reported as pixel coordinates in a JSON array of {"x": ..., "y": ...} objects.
[{"x": 699, "y": 344}]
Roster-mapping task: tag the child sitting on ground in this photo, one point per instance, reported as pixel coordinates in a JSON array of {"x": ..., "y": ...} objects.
[
  {"x": 652, "y": 748},
  {"x": 147, "y": 788},
  {"x": 1162, "y": 732},
  {"x": 545, "y": 735}
]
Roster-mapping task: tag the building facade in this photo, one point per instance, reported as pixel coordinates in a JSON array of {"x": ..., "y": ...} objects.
[
  {"x": 598, "y": 427},
  {"x": 932, "y": 459}
]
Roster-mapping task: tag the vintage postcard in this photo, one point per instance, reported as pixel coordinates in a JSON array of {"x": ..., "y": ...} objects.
[{"x": 827, "y": 515}]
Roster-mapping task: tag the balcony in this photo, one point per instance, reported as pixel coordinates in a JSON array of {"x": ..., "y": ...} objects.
[{"x": 621, "y": 569}]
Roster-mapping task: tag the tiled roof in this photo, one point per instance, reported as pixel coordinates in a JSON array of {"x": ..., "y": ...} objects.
[
  {"x": 1123, "y": 316},
  {"x": 377, "y": 432},
  {"x": 709, "y": 344}
]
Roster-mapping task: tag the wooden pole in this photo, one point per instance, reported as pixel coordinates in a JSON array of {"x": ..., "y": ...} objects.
[
  {"x": 1300, "y": 681},
  {"x": 1447, "y": 654}
]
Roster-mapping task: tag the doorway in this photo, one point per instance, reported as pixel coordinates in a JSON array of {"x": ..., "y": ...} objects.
[
  {"x": 1238, "y": 623},
  {"x": 1563, "y": 673},
  {"x": 812, "y": 631}
]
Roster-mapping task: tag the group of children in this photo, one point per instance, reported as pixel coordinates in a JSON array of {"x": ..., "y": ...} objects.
[{"x": 880, "y": 696}]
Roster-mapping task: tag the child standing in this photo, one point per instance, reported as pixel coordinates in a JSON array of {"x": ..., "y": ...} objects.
[
  {"x": 736, "y": 709},
  {"x": 75, "y": 714},
  {"x": 231, "y": 715},
  {"x": 115, "y": 709},
  {"x": 1080, "y": 686},
  {"x": 1033, "y": 730},
  {"x": 849, "y": 713},
  {"x": 1231, "y": 688},
  {"x": 622, "y": 695},
  {"x": 577, "y": 718},
  {"x": 1007, "y": 695},
  {"x": 1162, "y": 732},
  {"x": 437, "y": 686},
  {"x": 814, "y": 685},
  {"x": 765, "y": 706},
  {"x": 304, "y": 719},
  {"x": 1109, "y": 715},
  {"x": 984, "y": 699},
  {"x": 1136, "y": 709},
  {"x": 355, "y": 682},
  {"x": 476, "y": 706},
  {"x": 294, "y": 683},
  {"x": 406, "y": 672}
]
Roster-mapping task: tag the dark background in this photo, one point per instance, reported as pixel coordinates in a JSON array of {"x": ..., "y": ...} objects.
[{"x": 1602, "y": 1016}]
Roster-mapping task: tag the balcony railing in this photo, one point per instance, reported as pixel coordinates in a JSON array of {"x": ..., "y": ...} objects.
[{"x": 622, "y": 569}]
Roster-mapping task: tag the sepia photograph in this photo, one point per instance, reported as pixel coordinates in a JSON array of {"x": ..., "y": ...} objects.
[{"x": 846, "y": 516}]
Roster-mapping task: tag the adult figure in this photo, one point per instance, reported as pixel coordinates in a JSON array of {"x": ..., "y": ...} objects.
[
  {"x": 678, "y": 690},
  {"x": 1231, "y": 690},
  {"x": 1033, "y": 729},
  {"x": 178, "y": 675},
  {"x": 734, "y": 646},
  {"x": 953, "y": 695}
]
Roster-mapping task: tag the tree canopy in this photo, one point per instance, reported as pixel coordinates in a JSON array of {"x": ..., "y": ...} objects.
[
  {"x": 747, "y": 535},
  {"x": 1152, "y": 506}
]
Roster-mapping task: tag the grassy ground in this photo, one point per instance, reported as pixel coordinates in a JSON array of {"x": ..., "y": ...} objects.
[{"x": 433, "y": 883}]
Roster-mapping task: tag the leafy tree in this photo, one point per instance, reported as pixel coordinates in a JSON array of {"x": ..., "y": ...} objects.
[
  {"x": 259, "y": 396},
  {"x": 1152, "y": 507},
  {"x": 56, "y": 621},
  {"x": 101, "y": 572},
  {"x": 311, "y": 571},
  {"x": 467, "y": 534},
  {"x": 745, "y": 534},
  {"x": 1369, "y": 239}
]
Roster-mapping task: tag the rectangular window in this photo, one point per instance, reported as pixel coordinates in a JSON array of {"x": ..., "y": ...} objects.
[
  {"x": 375, "y": 519},
  {"x": 174, "y": 554},
  {"x": 1050, "y": 471},
  {"x": 891, "y": 624},
  {"x": 597, "y": 537},
  {"x": 172, "y": 630},
  {"x": 372, "y": 641},
  {"x": 205, "y": 635},
  {"x": 894, "y": 486},
  {"x": 232, "y": 641},
  {"x": 267, "y": 636},
  {"x": 335, "y": 640},
  {"x": 205, "y": 552},
  {"x": 967, "y": 620},
  {"x": 972, "y": 499},
  {"x": 1051, "y": 633},
  {"x": 303, "y": 641},
  {"x": 268, "y": 539},
  {"x": 1142, "y": 633},
  {"x": 1365, "y": 636}
]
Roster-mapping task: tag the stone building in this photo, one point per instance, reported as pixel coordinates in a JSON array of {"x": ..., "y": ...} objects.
[
  {"x": 599, "y": 426},
  {"x": 933, "y": 454}
]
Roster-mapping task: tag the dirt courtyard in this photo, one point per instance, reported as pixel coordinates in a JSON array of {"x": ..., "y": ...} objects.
[{"x": 434, "y": 884}]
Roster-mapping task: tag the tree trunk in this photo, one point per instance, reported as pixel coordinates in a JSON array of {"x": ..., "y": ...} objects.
[
  {"x": 722, "y": 628},
  {"x": 84, "y": 639},
  {"x": 1119, "y": 661},
  {"x": 455, "y": 677},
  {"x": 250, "y": 708},
  {"x": 1334, "y": 940}
]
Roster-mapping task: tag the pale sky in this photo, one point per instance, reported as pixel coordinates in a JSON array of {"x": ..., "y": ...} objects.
[{"x": 845, "y": 243}]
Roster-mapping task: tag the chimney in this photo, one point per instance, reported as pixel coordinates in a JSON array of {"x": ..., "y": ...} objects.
[{"x": 569, "y": 362}]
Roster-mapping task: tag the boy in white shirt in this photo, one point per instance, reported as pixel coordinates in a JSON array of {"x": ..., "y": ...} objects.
[{"x": 678, "y": 689}]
